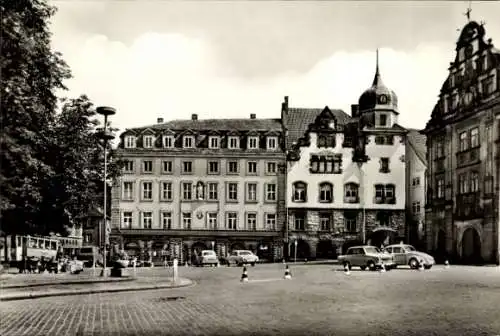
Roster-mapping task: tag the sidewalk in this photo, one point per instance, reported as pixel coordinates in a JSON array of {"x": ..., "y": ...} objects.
[{"x": 29, "y": 286}]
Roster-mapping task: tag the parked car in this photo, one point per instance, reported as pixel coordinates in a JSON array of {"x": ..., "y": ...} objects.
[
  {"x": 404, "y": 254},
  {"x": 240, "y": 257},
  {"x": 206, "y": 257},
  {"x": 366, "y": 257},
  {"x": 74, "y": 266}
]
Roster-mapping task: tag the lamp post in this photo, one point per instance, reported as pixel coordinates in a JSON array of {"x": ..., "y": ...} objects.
[
  {"x": 295, "y": 251},
  {"x": 106, "y": 112}
]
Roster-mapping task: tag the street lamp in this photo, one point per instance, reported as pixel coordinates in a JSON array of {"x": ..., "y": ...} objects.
[{"x": 106, "y": 112}]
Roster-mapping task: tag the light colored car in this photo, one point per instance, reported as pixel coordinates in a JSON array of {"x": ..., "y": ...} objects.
[
  {"x": 74, "y": 266},
  {"x": 404, "y": 254},
  {"x": 366, "y": 257},
  {"x": 241, "y": 257},
  {"x": 207, "y": 257}
]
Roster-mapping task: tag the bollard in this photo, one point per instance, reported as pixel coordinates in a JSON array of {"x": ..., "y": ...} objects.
[{"x": 175, "y": 270}]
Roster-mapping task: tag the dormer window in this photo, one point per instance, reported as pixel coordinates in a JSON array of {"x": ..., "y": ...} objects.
[
  {"x": 272, "y": 143},
  {"x": 130, "y": 141},
  {"x": 253, "y": 142},
  {"x": 148, "y": 141},
  {"x": 233, "y": 142},
  {"x": 168, "y": 141},
  {"x": 188, "y": 141},
  {"x": 213, "y": 142}
]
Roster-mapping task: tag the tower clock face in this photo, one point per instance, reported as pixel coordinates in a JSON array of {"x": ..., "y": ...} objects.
[{"x": 382, "y": 99}]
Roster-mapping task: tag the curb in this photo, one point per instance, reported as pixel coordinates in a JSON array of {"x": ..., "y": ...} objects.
[
  {"x": 26, "y": 296},
  {"x": 69, "y": 282}
]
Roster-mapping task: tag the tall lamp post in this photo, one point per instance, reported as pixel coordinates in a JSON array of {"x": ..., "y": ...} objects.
[{"x": 106, "y": 112}]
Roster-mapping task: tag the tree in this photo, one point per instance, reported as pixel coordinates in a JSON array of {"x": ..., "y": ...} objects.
[{"x": 31, "y": 73}]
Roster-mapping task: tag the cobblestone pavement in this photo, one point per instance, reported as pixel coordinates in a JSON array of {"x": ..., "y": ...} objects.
[{"x": 319, "y": 300}]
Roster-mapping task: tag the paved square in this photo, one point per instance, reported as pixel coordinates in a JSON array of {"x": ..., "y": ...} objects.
[{"x": 319, "y": 300}]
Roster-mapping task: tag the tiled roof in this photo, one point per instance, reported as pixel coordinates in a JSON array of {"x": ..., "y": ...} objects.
[
  {"x": 218, "y": 125},
  {"x": 418, "y": 142},
  {"x": 298, "y": 119}
]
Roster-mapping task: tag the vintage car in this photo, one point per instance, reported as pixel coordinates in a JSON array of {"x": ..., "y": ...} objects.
[
  {"x": 73, "y": 266},
  {"x": 206, "y": 257},
  {"x": 407, "y": 255},
  {"x": 240, "y": 258},
  {"x": 366, "y": 257}
]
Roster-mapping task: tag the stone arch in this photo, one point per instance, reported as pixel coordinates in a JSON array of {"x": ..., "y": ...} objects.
[
  {"x": 326, "y": 250},
  {"x": 303, "y": 250},
  {"x": 470, "y": 246}
]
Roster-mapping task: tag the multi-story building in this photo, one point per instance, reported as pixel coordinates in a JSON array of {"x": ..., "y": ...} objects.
[
  {"x": 190, "y": 185},
  {"x": 346, "y": 175},
  {"x": 462, "y": 141},
  {"x": 416, "y": 167}
]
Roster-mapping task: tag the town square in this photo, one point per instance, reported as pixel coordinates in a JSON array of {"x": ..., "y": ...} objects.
[{"x": 250, "y": 168}]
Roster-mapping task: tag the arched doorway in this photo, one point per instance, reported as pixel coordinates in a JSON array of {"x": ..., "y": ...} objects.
[
  {"x": 326, "y": 250},
  {"x": 303, "y": 250},
  {"x": 441, "y": 246},
  {"x": 471, "y": 247}
]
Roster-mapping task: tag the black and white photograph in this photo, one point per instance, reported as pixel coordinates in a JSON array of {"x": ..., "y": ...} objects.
[{"x": 249, "y": 167}]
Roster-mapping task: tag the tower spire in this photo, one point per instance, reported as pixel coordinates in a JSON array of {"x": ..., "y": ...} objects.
[
  {"x": 377, "y": 80},
  {"x": 468, "y": 11}
]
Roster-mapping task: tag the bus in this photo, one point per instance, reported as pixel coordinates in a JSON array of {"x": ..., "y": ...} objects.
[{"x": 26, "y": 246}]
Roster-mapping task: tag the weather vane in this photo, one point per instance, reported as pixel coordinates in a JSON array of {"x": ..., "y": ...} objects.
[{"x": 469, "y": 9}]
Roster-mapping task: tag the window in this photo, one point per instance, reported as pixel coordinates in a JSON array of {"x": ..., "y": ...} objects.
[
  {"x": 232, "y": 192},
  {"x": 351, "y": 193},
  {"x": 379, "y": 193},
  {"x": 231, "y": 220},
  {"x": 213, "y": 191},
  {"x": 350, "y": 222},
  {"x": 127, "y": 220},
  {"x": 253, "y": 142},
  {"x": 128, "y": 166},
  {"x": 252, "y": 192},
  {"x": 271, "y": 221},
  {"x": 234, "y": 142},
  {"x": 147, "y": 220},
  {"x": 488, "y": 185},
  {"x": 130, "y": 141},
  {"x": 212, "y": 220},
  {"x": 128, "y": 190},
  {"x": 166, "y": 220},
  {"x": 462, "y": 184},
  {"x": 326, "y": 192},
  {"x": 384, "y": 140},
  {"x": 299, "y": 192},
  {"x": 251, "y": 167},
  {"x": 270, "y": 192},
  {"x": 329, "y": 164},
  {"x": 166, "y": 191},
  {"x": 474, "y": 182},
  {"x": 232, "y": 167},
  {"x": 272, "y": 143},
  {"x": 167, "y": 167},
  {"x": 148, "y": 141},
  {"x": 147, "y": 190},
  {"x": 271, "y": 167},
  {"x": 186, "y": 220},
  {"x": 440, "y": 148},
  {"x": 187, "y": 191},
  {"x": 187, "y": 167},
  {"x": 440, "y": 187},
  {"x": 300, "y": 221},
  {"x": 390, "y": 190},
  {"x": 324, "y": 221},
  {"x": 147, "y": 166},
  {"x": 384, "y": 165},
  {"x": 252, "y": 221},
  {"x": 464, "y": 142},
  {"x": 416, "y": 208},
  {"x": 213, "y": 167},
  {"x": 168, "y": 141},
  {"x": 188, "y": 141},
  {"x": 415, "y": 181},
  {"x": 213, "y": 142},
  {"x": 383, "y": 120},
  {"x": 474, "y": 137}
]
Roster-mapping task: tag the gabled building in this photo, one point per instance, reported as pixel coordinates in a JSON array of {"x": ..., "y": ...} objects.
[
  {"x": 346, "y": 174},
  {"x": 191, "y": 185},
  {"x": 462, "y": 140}
]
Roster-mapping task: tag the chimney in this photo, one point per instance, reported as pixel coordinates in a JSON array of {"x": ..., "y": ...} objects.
[
  {"x": 253, "y": 116},
  {"x": 354, "y": 110},
  {"x": 194, "y": 116},
  {"x": 159, "y": 120}
]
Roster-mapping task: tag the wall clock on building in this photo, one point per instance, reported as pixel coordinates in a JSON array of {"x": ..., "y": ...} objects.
[
  {"x": 382, "y": 99},
  {"x": 199, "y": 215}
]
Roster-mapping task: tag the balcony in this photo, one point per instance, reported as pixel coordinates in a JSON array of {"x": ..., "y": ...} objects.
[{"x": 468, "y": 206}]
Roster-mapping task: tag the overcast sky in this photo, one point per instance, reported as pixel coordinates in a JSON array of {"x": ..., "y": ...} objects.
[{"x": 224, "y": 59}]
